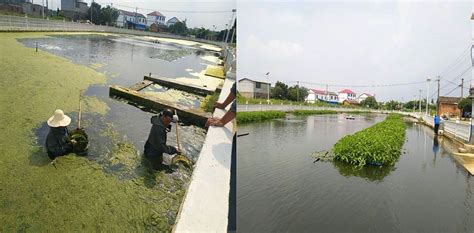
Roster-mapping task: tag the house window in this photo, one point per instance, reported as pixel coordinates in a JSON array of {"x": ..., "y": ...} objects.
[{"x": 258, "y": 85}]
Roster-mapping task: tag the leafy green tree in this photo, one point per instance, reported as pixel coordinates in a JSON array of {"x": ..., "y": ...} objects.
[
  {"x": 465, "y": 105},
  {"x": 296, "y": 93},
  {"x": 369, "y": 102},
  {"x": 95, "y": 8},
  {"x": 108, "y": 15},
  {"x": 280, "y": 91},
  {"x": 392, "y": 105},
  {"x": 179, "y": 28}
]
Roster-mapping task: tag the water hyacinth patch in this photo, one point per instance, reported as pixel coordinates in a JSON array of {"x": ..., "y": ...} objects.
[
  {"x": 245, "y": 117},
  {"x": 380, "y": 144}
]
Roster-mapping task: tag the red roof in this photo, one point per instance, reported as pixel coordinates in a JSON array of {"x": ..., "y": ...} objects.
[
  {"x": 155, "y": 13},
  {"x": 347, "y": 91}
]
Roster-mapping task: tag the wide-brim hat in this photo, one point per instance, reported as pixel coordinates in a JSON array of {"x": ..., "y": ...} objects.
[{"x": 59, "y": 119}]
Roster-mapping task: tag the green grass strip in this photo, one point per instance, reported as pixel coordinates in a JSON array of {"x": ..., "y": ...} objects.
[
  {"x": 245, "y": 117},
  {"x": 379, "y": 144}
]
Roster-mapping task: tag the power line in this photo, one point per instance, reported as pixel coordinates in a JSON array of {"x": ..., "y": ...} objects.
[
  {"x": 452, "y": 80},
  {"x": 367, "y": 85},
  {"x": 457, "y": 61},
  {"x": 174, "y": 11}
]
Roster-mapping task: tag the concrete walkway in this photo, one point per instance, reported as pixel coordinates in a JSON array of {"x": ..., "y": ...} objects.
[{"x": 206, "y": 204}]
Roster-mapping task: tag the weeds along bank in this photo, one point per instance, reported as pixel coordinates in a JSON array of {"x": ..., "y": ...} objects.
[
  {"x": 247, "y": 117},
  {"x": 380, "y": 144}
]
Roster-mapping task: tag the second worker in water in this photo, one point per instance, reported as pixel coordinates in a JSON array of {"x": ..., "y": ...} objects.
[{"x": 155, "y": 146}]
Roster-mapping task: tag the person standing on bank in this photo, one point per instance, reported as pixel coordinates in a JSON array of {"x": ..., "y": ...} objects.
[
  {"x": 155, "y": 146},
  {"x": 436, "y": 124},
  {"x": 58, "y": 142}
]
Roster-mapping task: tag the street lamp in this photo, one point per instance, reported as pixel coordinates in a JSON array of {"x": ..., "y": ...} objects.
[{"x": 428, "y": 80}]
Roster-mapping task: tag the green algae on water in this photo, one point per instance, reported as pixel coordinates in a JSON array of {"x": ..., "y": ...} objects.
[{"x": 73, "y": 193}]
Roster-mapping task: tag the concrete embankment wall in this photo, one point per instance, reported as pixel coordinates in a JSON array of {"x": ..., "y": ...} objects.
[{"x": 206, "y": 205}]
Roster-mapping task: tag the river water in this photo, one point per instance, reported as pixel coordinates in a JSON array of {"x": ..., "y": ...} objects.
[
  {"x": 281, "y": 189},
  {"x": 125, "y": 60}
]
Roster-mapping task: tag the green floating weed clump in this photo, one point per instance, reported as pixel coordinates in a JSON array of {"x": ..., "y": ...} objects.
[
  {"x": 208, "y": 103},
  {"x": 313, "y": 112},
  {"x": 380, "y": 144},
  {"x": 245, "y": 117}
]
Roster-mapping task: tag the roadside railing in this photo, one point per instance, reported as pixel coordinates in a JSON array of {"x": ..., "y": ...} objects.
[
  {"x": 292, "y": 107},
  {"x": 457, "y": 130},
  {"x": 16, "y": 23}
]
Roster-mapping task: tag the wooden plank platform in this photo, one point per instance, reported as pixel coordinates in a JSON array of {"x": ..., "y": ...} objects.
[
  {"x": 172, "y": 83},
  {"x": 140, "y": 85},
  {"x": 192, "y": 116}
]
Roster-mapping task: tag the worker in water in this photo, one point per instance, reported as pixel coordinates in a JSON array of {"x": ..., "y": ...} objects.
[
  {"x": 155, "y": 146},
  {"x": 57, "y": 141},
  {"x": 436, "y": 124}
]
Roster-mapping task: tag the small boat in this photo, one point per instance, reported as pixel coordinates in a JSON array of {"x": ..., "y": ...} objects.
[{"x": 350, "y": 117}]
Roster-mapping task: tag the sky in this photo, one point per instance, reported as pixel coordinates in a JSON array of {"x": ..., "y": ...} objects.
[
  {"x": 354, "y": 44},
  {"x": 168, "y": 8}
]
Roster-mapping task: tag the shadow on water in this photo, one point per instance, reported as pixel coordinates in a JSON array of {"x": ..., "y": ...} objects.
[{"x": 368, "y": 172}]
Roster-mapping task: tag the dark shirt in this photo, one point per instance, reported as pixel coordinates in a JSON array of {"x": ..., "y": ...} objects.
[
  {"x": 57, "y": 142},
  {"x": 233, "y": 90},
  {"x": 156, "y": 143}
]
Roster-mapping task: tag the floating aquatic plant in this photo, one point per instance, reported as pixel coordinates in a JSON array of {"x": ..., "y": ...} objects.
[{"x": 380, "y": 144}]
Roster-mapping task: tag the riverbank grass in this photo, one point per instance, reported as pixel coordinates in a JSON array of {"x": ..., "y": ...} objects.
[
  {"x": 380, "y": 144},
  {"x": 246, "y": 117}
]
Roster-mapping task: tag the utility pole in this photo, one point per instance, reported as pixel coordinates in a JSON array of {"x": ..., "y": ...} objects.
[
  {"x": 42, "y": 9},
  {"x": 462, "y": 87},
  {"x": 420, "y": 102},
  {"x": 427, "y": 94},
  {"x": 91, "y": 9},
  {"x": 230, "y": 25},
  {"x": 437, "y": 100},
  {"x": 268, "y": 88},
  {"x": 297, "y": 90},
  {"x": 233, "y": 32}
]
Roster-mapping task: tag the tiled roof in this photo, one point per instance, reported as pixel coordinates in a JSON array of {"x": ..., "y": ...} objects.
[
  {"x": 131, "y": 14},
  {"x": 321, "y": 92},
  {"x": 449, "y": 100},
  {"x": 155, "y": 13},
  {"x": 347, "y": 91}
]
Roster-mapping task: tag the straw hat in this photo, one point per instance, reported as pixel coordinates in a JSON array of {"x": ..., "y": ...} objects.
[{"x": 59, "y": 119}]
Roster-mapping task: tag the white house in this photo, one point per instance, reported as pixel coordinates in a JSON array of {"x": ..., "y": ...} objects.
[
  {"x": 364, "y": 96},
  {"x": 326, "y": 96},
  {"x": 155, "y": 17},
  {"x": 253, "y": 88},
  {"x": 347, "y": 94},
  {"x": 172, "y": 21},
  {"x": 131, "y": 20}
]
